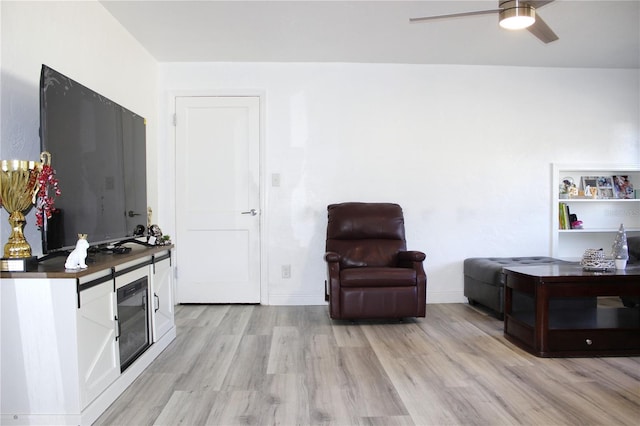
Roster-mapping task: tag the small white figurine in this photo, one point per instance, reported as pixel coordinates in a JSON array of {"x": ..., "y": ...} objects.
[{"x": 79, "y": 254}]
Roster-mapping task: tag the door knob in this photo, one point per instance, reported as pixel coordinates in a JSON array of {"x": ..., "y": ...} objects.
[{"x": 252, "y": 212}]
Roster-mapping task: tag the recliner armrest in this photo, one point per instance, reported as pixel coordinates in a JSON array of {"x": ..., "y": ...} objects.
[
  {"x": 331, "y": 257},
  {"x": 411, "y": 256}
]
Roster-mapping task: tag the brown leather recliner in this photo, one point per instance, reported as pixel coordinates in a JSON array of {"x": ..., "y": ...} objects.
[{"x": 370, "y": 273}]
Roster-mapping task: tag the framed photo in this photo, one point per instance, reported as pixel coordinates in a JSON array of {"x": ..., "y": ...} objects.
[
  {"x": 590, "y": 186},
  {"x": 605, "y": 186},
  {"x": 622, "y": 187}
]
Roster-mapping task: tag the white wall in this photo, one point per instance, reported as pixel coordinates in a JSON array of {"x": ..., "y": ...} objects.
[
  {"x": 466, "y": 151},
  {"x": 83, "y": 41}
]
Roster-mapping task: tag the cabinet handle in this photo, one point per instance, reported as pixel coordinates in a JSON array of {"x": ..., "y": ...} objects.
[
  {"x": 117, "y": 328},
  {"x": 157, "y": 302},
  {"x": 589, "y": 342}
]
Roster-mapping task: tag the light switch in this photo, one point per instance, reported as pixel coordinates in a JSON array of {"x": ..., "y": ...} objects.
[{"x": 275, "y": 179}]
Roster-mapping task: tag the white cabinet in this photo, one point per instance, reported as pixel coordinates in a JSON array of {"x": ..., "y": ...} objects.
[
  {"x": 39, "y": 369},
  {"x": 601, "y": 217},
  {"x": 98, "y": 356},
  {"x": 162, "y": 293},
  {"x": 59, "y": 336}
]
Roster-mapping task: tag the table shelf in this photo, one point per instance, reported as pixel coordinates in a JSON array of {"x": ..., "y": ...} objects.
[{"x": 588, "y": 319}]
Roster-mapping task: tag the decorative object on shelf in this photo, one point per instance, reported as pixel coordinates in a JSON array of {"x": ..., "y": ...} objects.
[
  {"x": 155, "y": 235},
  {"x": 23, "y": 183},
  {"x": 567, "y": 219},
  {"x": 575, "y": 222},
  {"x": 589, "y": 186},
  {"x": 76, "y": 259},
  {"x": 565, "y": 187},
  {"x": 563, "y": 218},
  {"x": 573, "y": 192},
  {"x": 49, "y": 190},
  {"x": 623, "y": 188},
  {"x": 568, "y": 188},
  {"x": 605, "y": 187},
  {"x": 620, "y": 248},
  {"x": 139, "y": 231},
  {"x": 598, "y": 187},
  {"x": 595, "y": 260}
]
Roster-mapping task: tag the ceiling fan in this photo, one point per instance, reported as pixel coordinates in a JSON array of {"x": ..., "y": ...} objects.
[{"x": 513, "y": 15}]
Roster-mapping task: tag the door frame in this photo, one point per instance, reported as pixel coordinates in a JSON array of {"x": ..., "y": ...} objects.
[{"x": 171, "y": 146}]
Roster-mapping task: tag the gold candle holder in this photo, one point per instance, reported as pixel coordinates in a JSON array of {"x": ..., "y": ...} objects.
[{"x": 19, "y": 186}]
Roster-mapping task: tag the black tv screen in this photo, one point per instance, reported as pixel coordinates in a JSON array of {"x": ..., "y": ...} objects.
[{"x": 98, "y": 150}]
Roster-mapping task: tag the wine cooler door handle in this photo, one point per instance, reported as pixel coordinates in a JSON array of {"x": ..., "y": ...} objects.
[
  {"x": 117, "y": 328},
  {"x": 252, "y": 212}
]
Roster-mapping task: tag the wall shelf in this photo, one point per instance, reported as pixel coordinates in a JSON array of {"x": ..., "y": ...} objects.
[{"x": 601, "y": 217}]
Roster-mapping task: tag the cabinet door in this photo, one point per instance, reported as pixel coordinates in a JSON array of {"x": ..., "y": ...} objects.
[
  {"x": 162, "y": 285},
  {"x": 98, "y": 358}
]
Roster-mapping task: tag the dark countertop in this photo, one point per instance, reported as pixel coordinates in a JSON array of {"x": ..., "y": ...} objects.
[{"x": 54, "y": 267}]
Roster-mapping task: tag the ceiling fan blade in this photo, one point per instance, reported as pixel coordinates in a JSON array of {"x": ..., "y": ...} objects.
[
  {"x": 537, "y": 4},
  {"x": 454, "y": 15},
  {"x": 541, "y": 30}
]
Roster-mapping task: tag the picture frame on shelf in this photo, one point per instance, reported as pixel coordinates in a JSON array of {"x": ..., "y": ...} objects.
[
  {"x": 605, "y": 187},
  {"x": 623, "y": 188},
  {"x": 589, "y": 186}
]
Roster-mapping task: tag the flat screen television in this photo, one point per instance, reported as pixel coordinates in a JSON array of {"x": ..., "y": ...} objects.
[{"x": 98, "y": 150}]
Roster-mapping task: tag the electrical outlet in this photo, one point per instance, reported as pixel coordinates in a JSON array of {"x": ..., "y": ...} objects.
[
  {"x": 286, "y": 271},
  {"x": 275, "y": 179}
]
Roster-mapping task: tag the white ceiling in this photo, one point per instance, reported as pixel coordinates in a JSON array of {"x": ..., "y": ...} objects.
[{"x": 598, "y": 34}]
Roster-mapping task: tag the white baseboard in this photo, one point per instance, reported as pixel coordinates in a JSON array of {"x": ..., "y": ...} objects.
[
  {"x": 314, "y": 299},
  {"x": 445, "y": 297},
  {"x": 296, "y": 300}
]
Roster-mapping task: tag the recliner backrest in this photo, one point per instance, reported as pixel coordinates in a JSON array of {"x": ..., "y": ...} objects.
[{"x": 366, "y": 234}]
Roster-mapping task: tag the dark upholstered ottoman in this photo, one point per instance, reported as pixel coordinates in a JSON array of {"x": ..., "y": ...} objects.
[{"x": 484, "y": 280}]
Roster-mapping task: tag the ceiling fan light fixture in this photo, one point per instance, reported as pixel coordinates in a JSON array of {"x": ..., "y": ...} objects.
[{"x": 515, "y": 15}]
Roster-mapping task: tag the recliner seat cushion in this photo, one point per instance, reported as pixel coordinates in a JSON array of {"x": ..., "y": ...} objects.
[{"x": 378, "y": 277}]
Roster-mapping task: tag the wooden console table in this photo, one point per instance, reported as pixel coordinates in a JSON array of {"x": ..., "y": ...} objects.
[{"x": 534, "y": 323}]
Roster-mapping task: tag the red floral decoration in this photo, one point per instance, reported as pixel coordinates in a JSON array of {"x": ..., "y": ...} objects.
[{"x": 45, "y": 203}]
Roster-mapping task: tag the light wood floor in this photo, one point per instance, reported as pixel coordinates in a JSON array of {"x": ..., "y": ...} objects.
[{"x": 263, "y": 365}]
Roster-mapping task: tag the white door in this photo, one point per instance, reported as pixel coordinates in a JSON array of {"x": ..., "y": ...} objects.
[{"x": 218, "y": 199}]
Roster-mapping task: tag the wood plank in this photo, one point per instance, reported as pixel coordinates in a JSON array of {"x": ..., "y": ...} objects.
[{"x": 257, "y": 365}]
